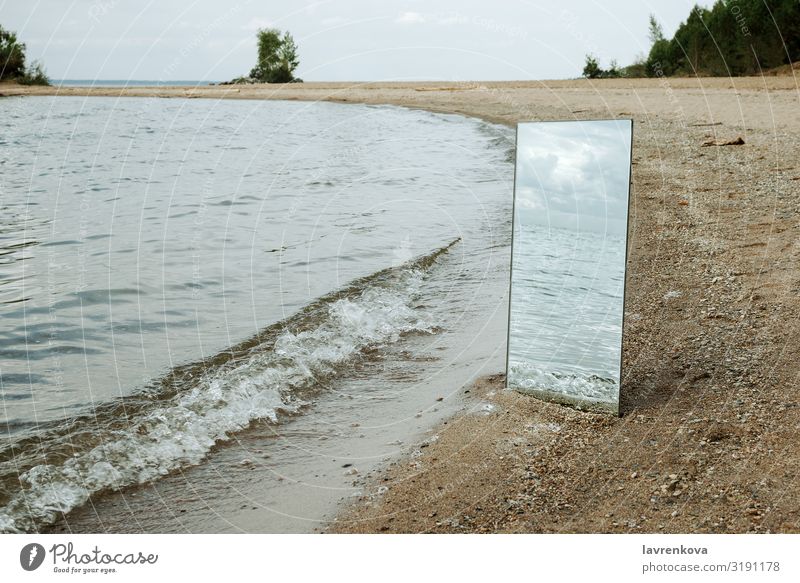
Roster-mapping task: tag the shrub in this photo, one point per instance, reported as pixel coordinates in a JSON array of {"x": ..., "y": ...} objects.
[
  {"x": 35, "y": 75},
  {"x": 591, "y": 69}
]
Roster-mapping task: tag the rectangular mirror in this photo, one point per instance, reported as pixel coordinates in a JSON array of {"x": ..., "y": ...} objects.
[{"x": 568, "y": 257}]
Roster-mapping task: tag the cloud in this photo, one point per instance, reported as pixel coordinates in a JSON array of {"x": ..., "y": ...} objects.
[
  {"x": 255, "y": 23},
  {"x": 410, "y": 18},
  {"x": 574, "y": 174}
]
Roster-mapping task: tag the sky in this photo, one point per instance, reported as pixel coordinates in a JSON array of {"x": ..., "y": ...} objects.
[
  {"x": 339, "y": 40},
  {"x": 574, "y": 175}
]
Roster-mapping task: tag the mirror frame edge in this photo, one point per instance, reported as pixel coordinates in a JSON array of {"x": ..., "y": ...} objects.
[{"x": 552, "y": 396}]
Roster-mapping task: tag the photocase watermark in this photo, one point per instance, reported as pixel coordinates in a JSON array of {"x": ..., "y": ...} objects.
[
  {"x": 31, "y": 556},
  {"x": 65, "y": 559},
  {"x": 670, "y": 93},
  {"x": 197, "y": 40},
  {"x": 100, "y": 8},
  {"x": 738, "y": 15},
  {"x": 198, "y": 235},
  {"x": 570, "y": 21},
  {"x": 454, "y": 18},
  {"x": 323, "y": 173}
]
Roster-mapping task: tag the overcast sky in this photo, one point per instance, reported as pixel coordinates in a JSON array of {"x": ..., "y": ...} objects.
[
  {"x": 574, "y": 175},
  {"x": 340, "y": 40}
]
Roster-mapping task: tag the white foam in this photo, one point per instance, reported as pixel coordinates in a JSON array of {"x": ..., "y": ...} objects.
[
  {"x": 181, "y": 432},
  {"x": 591, "y": 388}
]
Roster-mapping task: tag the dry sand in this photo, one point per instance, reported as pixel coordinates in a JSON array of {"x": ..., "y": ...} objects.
[{"x": 708, "y": 437}]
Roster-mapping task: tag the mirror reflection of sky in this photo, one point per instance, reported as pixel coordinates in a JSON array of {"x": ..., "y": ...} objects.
[{"x": 574, "y": 175}]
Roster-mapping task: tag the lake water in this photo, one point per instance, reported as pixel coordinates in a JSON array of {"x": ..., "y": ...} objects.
[{"x": 174, "y": 273}]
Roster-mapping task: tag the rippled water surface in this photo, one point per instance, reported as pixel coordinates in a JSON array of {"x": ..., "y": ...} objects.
[
  {"x": 172, "y": 271},
  {"x": 568, "y": 301}
]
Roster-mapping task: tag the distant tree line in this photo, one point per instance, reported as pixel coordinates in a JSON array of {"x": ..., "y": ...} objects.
[
  {"x": 12, "y": 62},
  {"x": 592, "y": 69},
  {"x": 734, "y": 37}
]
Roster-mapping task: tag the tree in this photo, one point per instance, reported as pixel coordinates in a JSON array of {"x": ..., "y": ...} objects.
[
  {"x": 656, "y": 33},
  {"x": 734, "y": 37},
  {"x": 12, "y": 55},
  {"x": 287, "y": 59},
  {"x": 277, "y": 57},
  {"x": 694, "y": 42},
  {"x": 35, "y": 75},
  {"x": 269, "y": 42},
  {"x": 637, "y": 69},
  {"x": 660, "y": 61},
  {"x": 613, "y": 70},
  {"x": 591, "y": 69}
]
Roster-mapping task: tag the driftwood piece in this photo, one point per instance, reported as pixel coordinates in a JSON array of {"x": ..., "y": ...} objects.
[{"x": 736, "y": 142}]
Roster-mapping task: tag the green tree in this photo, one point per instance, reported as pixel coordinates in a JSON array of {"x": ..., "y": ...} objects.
[
  {"x": 35, "y": 75},
  {"x": 734, "y": 37},
  {"x": 775, "y": 32},
  {"x": 637, "y": 69},
  {"x": 287, "y": 59},
  {"x": 613, "y": 70},
  {"x": 12, "y": 55},
  {"x": 726, "y": 54},
  {"x": 787, "y": 19},
  {"x": 660, "y": 61},
  {"x": 277, "y": 57},
  {"x": 694, "y": 43},
  {"x": 591, "y": 69},
  {"x": 656, "y": 33}
]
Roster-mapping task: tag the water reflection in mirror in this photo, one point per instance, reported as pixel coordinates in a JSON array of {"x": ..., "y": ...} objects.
[{"x": 568, "y": 261}]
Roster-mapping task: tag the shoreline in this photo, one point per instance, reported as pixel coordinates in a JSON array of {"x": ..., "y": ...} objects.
[
  {"x": 507, "y": 102},
  {"x": 706, "y": 442}
]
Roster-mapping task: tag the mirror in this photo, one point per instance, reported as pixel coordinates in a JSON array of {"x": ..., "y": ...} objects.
[{"x": 568, "y": 253}]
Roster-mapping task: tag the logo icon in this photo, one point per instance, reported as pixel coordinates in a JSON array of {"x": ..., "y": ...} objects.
[{"x": 31, "y": 556}]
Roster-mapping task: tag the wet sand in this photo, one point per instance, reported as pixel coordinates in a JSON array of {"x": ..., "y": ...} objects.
[{"x": 710, "y": 405}]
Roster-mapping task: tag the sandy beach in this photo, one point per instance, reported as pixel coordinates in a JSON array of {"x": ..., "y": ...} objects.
[{"x": 710, "y": 408}]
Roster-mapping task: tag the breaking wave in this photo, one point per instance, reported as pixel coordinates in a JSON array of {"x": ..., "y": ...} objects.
[{"x": 177, "y": 420}]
